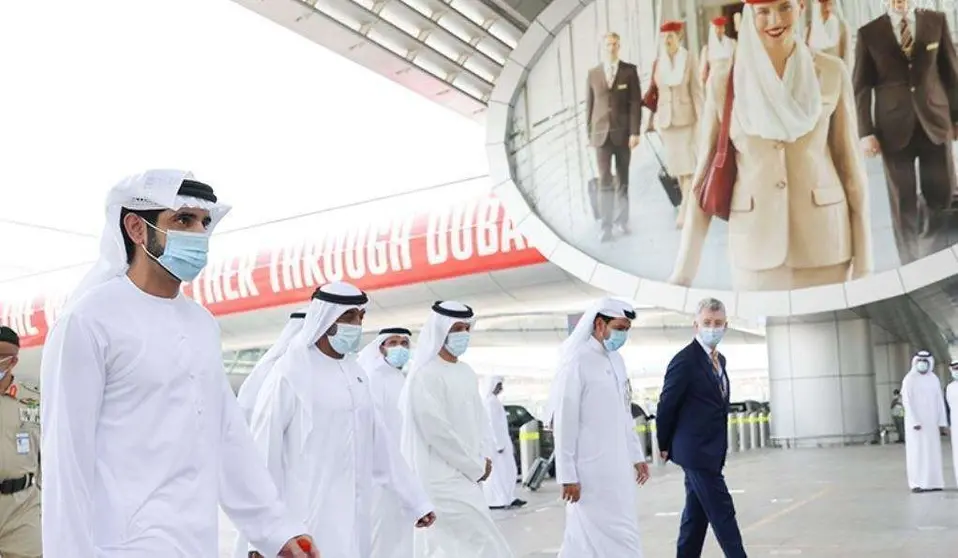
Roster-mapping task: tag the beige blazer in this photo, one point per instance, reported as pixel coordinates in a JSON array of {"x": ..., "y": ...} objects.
[
  {"x": 680, "y": 105},
  {"x": 802, "y": 204}
]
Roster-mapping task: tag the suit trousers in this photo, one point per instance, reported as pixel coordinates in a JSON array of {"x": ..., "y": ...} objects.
[
  {"x": 922, "y": 222},
  {"x": 708, "y": 502},
  {"x": 613, "y": 194}
]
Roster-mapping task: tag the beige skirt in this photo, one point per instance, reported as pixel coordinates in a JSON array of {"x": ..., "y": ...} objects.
[
  {"x": 679, "y": 147},
  {"x": 785, "y": 278}
]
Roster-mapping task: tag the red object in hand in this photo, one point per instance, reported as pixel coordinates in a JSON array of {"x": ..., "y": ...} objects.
[{"x": 305, "y": 545}]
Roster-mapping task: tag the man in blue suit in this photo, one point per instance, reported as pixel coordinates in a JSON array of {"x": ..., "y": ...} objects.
[{"x": 692, "y": 423}]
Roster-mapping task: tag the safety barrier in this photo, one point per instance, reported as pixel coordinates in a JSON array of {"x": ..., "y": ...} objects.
[
  {"x": 748, "y": 431},
  {"x": 529, "y": 448}
]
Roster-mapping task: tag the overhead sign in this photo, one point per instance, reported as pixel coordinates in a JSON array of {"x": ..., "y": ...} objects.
[{"x": 461, "y": 238}]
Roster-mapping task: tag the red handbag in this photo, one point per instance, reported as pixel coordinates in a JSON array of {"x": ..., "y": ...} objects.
[
  {"x": 651, "y": 97},
  {"x": 715, "y": 188}
]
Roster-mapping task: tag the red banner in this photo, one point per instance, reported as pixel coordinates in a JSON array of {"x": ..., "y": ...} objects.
[{"x": 471, "y": 236}]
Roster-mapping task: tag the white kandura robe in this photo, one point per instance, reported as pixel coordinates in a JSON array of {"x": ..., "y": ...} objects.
[
  {"x": 924, "y": 404},
  {"x": 391, "y": 530},
  {"x": 143, "y": 437},
  {"x": 326, "y": 446},
  {"x": 951, "y": 395},
  {"x": 597, "y": 448},
  {"x": 446, "y": 443},
  {"x": 500, "y": 487}
]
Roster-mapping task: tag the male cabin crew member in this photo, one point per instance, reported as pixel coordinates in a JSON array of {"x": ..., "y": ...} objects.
[
  {"x": 692, "y": 425},
  {"x": 906, "y": 70}
]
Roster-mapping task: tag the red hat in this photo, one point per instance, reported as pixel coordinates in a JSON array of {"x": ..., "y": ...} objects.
[
  {"x": 672, "y": 26},
  {"x": 720, "y": 21}
]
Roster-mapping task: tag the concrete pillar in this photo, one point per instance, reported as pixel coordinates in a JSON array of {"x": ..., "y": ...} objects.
[
  {"x": 822, "y": 381},
  {"x": 886, "y": 380}
]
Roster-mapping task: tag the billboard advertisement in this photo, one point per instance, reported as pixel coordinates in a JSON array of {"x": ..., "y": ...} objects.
[{"x": 839, "y": 172}]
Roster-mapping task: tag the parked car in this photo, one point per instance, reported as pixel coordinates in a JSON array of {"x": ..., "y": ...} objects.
[{"x": 517, "y": 415}]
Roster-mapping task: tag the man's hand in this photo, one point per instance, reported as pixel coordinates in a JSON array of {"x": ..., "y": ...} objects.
[
  {"x": 870, "y": 146},
  {"x": 917, "y": 427},
  {"x": 571, "y": 493},
  {"x": 300, "y": 547},
  {"x": 634, "y": 141},
  {"x": 426, "y": 520},
  {"x": 642, "y": 472},
  {"x": 488, "y": 471}
]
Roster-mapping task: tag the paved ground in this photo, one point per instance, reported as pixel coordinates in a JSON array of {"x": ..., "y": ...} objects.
[{"x": 822, "y": 503}]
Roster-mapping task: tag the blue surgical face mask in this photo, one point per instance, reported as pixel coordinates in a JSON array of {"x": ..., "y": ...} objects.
[
  {"x": 185, "y": 253},
  {"x": 346, "y": 339},
  {"x": 617, "y": 338},
  {"x": 954, "y": 374},
  {"x": 397, "y": 356},
  {"x": 457, "y": 343},
  {"x": 6, "y": 364},
  {"x": 923, "y": 366},
  {"x": 711, "y": 336}
]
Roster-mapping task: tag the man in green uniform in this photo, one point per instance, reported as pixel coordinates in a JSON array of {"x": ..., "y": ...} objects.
[{"x": 19, "y": 457}]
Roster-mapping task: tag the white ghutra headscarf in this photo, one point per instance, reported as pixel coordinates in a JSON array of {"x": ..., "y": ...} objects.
[
  {"x": 250, "y": 389},
  {"x": 370, "y": 357},
  {"x": 822, "y": 34},
  {"x": 608, "y": 306},
  {"x": 151, "y": 190},
  {"x": 773, "y": 108}
]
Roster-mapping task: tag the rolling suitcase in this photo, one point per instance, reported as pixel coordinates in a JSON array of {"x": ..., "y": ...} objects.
[
  {"x": 539, "y": 472},
  {"x": 670, "y": 184}
]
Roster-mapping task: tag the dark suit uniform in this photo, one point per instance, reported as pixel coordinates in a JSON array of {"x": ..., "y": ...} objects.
[
  {"x": 613, "y": 114},
  {"x": 915, "y": 110},
  {"x": 692, "y": 425}
]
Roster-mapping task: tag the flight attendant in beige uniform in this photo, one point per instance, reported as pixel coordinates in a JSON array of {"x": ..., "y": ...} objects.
[
  {"x": 799, "y": 208},
  {"x": 719, "y": 49},
  {"x": 19, "y": 458},
  {"x": 679, "y": 105},
  {"x": 828, "y": 31}
]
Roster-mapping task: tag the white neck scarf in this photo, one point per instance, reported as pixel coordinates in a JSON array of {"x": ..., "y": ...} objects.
[
  {"x": 672, "y": 70},
  {"x": 719, "y": 49},
  {"x": 824, "y": 34},
  {"x": 773, "y": 108}
]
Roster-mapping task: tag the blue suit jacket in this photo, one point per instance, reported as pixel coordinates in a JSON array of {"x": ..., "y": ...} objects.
[{"x": 692, "y": 415}]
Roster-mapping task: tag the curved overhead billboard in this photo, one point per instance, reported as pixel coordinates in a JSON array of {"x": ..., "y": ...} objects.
[{"x": 811, "y": 201}]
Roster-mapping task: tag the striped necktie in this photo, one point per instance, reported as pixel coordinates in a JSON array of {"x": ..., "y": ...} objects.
[
  {"x": 907, "y": 41},
  {"x": 717, "y": 369}
]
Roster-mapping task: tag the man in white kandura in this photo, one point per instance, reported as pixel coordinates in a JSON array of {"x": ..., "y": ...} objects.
[
  {"x": 599, "y": 457},
  {"x": 324, "y": 442},
  {"x": 951, "y": 396},
  {"x": 383, "y": 359},
  {"x": 142, "y": 436},
  {"x": 500, "y": 487},
  {"x": 249, "y": 391},
  {"x": 444, "y": 439},
  {"x": 925, "y": 422}
]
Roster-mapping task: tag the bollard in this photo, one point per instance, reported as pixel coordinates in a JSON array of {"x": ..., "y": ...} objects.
[
  {"x": 744, "y": 441},
  {"x": 733, "y": 432},
  {"x": 753, "y": 431},
  {"x": 528, "y": 446},
  {"x": 763, "y": 429}
]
